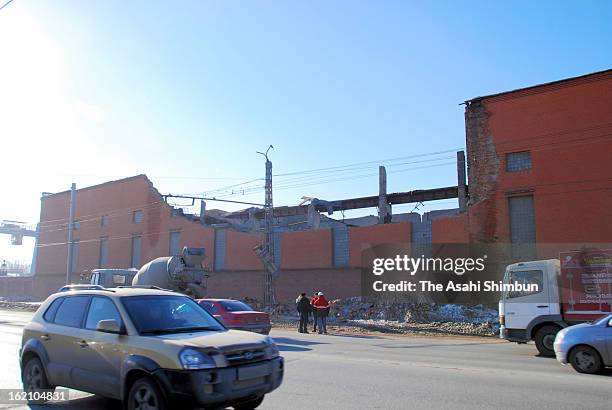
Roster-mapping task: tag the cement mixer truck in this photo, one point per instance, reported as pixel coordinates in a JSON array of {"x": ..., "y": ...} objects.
[{"x": 183, "y": 273}]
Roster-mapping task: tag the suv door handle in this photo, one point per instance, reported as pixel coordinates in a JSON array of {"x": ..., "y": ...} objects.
[
  {"x": 542, "y": 306},
  {"x": 45, "y": 337},
  {"x": 82, "y": 343}
]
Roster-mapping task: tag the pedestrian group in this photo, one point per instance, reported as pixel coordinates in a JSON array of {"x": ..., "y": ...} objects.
[{"x": 318, "y": 307}]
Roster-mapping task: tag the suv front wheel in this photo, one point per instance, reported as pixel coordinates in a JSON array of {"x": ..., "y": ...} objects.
[
  {"x": 145, "y": 395},
  {"x": 34, "y": 378}
]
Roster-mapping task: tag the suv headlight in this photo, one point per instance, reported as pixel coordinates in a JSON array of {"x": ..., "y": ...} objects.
[
  {"x": 274, "y": 352},
  {"x": 192, "y": 359}
]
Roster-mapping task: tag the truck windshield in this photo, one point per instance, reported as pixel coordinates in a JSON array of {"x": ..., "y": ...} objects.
[
  {"x": 153, "y": 315},
  {"x": 525, "y": 283}
]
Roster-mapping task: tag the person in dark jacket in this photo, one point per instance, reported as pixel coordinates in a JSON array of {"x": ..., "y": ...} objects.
[
  {"x": 303, "y": 307},
  {"x": 314, "y": 311}
]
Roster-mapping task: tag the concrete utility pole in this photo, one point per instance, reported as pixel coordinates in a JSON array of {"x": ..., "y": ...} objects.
[
  {"x": 70, "y": 233},
  {"x": 270, "y": 274}
]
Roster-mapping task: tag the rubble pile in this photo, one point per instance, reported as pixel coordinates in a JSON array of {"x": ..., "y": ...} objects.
[
  {"x": 402, "y": 317},
  {"x": 8, "y": 304}
]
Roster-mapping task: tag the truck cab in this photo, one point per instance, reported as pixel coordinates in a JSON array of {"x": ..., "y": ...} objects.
[
  {"x": 532, "y": 314},
  {"x": 110, "y": 278}
]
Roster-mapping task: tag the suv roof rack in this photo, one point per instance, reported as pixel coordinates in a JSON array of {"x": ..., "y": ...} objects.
[
  {"x": 68, "y": 288},
  {"x": 143, "y": 287}
]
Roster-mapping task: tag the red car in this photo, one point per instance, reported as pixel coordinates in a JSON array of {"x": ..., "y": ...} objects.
[{"x": 235, "y": 314}]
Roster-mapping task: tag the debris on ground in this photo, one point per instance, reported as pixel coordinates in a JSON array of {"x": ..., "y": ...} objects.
[
  {"x": 400, "y": 317},
  {"x": 19, "y": 306}
]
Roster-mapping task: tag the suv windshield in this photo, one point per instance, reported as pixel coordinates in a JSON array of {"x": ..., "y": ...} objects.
[
  {"x": 235, "y": 306},
  {"x": 168, "y": 314}
]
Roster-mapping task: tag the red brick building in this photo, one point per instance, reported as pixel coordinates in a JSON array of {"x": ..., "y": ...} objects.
[
  {"x": 540, "y": 166},
  {"x": 539, "y": 163}
]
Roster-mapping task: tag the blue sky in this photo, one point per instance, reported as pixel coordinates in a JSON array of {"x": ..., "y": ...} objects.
[{"x": 187, "y": 91}]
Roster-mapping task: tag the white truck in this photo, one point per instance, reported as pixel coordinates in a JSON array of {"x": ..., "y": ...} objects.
[{"x": 575, "y": 288}]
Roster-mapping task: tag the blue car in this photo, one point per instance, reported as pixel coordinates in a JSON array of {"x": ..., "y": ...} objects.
[{"x": 587, "y": 346}]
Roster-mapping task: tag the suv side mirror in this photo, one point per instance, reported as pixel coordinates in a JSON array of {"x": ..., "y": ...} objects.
[
  {"x": 109, "y": 326},
  {"x": 610, "y": 323}
]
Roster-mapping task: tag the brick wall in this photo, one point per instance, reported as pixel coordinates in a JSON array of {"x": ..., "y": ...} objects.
[
  {"x": 239, "y": 253},
  {"x": 566, "y": 127},
  {"x": 361, "y": 238},
  {"x": 335, "y": 283},
  {"x": 450, "y": 230},
  {"x": 306, "y": 249}
]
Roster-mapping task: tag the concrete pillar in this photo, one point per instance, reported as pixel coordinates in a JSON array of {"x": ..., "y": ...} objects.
[
  {"x": 314, "y": 218},
  {"x": 461, "y": 181},
  {"x": 202, "y": 212},
  {"x": 384, "y": 210},
  {"x": 253, "y": 222}
]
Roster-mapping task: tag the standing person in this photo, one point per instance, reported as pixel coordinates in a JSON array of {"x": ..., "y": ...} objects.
[
  {"x": 321, "y": 306},
  {"x": 303, "y": 307},
  {"x": 314, "y": 311}
]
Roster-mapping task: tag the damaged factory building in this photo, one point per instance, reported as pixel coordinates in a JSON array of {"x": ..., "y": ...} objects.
[{"x": 536, "y": 158}]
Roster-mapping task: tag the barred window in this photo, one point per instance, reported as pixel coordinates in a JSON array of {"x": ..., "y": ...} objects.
[
  {"x": 175, "y": 243},
  {"x": 138, "y": 217},
  {"x": 136, "y": 248},
  {"x": 518, "y": 161}
]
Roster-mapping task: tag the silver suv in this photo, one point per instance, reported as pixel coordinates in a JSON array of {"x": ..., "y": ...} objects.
[{"x": 146, "y": 347}]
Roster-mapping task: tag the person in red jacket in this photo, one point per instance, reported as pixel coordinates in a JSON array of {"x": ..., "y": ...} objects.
[
  {"x": 314, "y": 311},
  {"x": 321, "y": 305}
]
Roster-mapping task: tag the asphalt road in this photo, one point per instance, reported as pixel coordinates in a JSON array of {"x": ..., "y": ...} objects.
[{"x": 373, "y": 372}]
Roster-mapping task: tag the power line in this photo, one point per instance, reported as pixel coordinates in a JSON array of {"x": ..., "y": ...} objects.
[
  {"x": 6, "y": 4},
  {"x": 350, "y": 170},
  {"x": 380, "y": 161},
  {"x": 326, "y": 181},
  {"x": 298, "y": 175},
  {"x": 316, "y": 179}
]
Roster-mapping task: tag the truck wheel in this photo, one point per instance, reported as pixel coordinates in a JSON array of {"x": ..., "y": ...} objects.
[
  {"x": 545, "y": 339},
  {"x": 34, "y": 378},
  {"x": 585, "y": 359},
  {"x": 249, "y": 405},
  {"x": 145, "y": 395}
]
